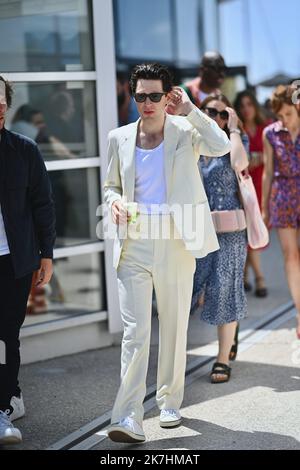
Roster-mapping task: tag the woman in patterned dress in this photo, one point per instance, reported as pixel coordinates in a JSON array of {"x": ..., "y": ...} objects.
[
  {"x": 219, "y": 277},
  {"x": 281, "y": 184}
]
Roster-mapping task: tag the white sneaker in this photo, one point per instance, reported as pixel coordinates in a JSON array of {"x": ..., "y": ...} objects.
[
  {"x": 127, "y": 430},
  {"x": 8, "y": 433},
  {"x": 169, "y": 418},
  {"x": 17, "y": 404}
]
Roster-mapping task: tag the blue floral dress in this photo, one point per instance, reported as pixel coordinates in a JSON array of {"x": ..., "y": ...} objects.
[{"x": 220, "y": 275}]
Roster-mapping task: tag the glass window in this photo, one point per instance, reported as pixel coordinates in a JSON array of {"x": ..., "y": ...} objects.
[
  {"x": 76, "y": 288},
  {"x": 144, "y": 29},
  {"x": 47, "y": 36},
  {"x": 189, "y": 31},
  {"x": 60, "y": 117},
  {"x": 76, "y": 196}
]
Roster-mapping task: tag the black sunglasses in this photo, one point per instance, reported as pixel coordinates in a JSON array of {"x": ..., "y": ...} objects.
[
  {"x": 213, "y": 113},
  {"x": 154, "y": 97}
]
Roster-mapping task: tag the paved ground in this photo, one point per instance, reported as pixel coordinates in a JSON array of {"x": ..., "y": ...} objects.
[
  {"x": 63, "y": 394},
  {"x": 258, "y": 409}
]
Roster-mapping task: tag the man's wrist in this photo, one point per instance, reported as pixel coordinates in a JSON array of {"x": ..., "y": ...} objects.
[
  {"x": 188, "y": 108},
  {"x": 46, "y": 253}
]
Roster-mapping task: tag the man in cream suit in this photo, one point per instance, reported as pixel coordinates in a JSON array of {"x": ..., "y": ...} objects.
[{"x": 154, "y": 163}]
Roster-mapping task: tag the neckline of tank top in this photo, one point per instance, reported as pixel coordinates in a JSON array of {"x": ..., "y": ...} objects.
[{"x": 150, "y": 150}]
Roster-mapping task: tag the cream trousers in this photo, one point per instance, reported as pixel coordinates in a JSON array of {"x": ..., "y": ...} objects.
[{"x": 162, "y": 263}]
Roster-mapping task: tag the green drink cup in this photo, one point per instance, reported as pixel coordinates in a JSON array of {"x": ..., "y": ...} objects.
[{"x": 132, "y": 208}]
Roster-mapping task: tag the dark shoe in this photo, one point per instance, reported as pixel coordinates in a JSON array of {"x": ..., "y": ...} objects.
[
  {"x": 234, "y": 347},
  {"x": 220, "y": 369},
  {"x": 247, "y": 286},
  {"x": 261, "y": 290}
]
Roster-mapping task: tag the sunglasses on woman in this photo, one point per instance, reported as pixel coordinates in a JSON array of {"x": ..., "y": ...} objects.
[
  {"x": 213, "y": 113},
  {"x": 154, "y": 97}
]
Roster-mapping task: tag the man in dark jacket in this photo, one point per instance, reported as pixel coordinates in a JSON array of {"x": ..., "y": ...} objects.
[{"x": 27, "y": 235}]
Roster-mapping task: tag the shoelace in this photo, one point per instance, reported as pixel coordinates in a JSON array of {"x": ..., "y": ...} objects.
[
  {"x": 126, "y": 422},
  {"x": 4, "y": 419},
  {"x": 169, "y": 412},
  {"x": 132, "y": 425}
]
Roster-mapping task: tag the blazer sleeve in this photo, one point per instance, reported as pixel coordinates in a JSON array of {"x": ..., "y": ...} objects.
[
  {"x": 112, "y": 186},
  {"x": 208, "y": 138}
]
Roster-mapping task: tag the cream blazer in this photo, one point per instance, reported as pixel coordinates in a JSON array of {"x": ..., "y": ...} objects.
[{"x": 185, "y": 139}]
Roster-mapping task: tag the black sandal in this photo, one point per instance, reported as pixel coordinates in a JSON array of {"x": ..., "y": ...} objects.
[
  {"x": 260, "y": 289},
  {"x": 220, "y": 369},
  {"x": 234, "y": 347}
]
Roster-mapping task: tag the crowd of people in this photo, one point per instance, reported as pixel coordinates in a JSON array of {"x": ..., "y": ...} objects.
[
  {"x": 180, "y": 145},
  {"x": 264, "y": 146}
]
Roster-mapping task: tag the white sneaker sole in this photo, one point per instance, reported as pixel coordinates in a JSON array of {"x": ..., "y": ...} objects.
[
  {"x": 170, "y": 424},
  {"x": 119, "y": 434}
]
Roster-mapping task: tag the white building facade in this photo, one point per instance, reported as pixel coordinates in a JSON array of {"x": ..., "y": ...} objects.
[{"x": 62, "y": 57}]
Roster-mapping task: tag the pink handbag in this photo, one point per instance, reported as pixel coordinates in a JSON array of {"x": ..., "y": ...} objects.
[
  {"x": 229, "y": 221},
  {"x": 257, "y": 232}
]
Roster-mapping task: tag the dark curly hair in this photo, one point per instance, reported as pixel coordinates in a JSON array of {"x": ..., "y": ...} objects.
[
  {"x": 8, "y": 91},
  {"x": 151, "y": 71}
]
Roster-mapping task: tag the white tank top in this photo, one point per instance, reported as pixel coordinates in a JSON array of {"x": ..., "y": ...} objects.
[{"x": 150, "y": 182}]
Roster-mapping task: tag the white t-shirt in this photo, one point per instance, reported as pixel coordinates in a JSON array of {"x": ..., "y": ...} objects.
[
  {"x": 4, "y": 248},
  {"x": 150, "y": 182}
]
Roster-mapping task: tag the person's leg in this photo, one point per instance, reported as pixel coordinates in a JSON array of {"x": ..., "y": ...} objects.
[
  {"x": 290, "y": 247},
  {"x": 226, "y": 334},
  {"x": 135, "y": 294},
  {"x": 13, "y": 297},
  {"x": 254, "y": 261},
  {"x": 298, "y": 316},
  {"x": 173, "y": 283}
]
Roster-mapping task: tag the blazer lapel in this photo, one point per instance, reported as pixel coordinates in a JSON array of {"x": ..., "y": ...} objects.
[
  {"x": 170, "y": 145},
  {"x": 128, "y": 151},
  {"x": 128, "y": 146}
]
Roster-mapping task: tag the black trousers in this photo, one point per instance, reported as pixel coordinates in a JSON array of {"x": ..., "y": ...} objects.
[{"x": 13, "y": 300}]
